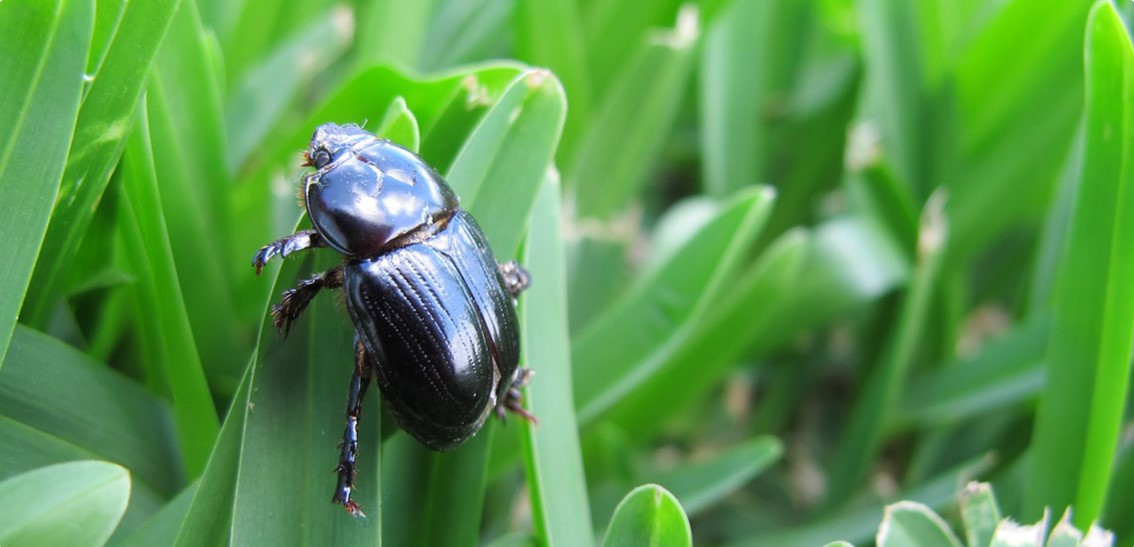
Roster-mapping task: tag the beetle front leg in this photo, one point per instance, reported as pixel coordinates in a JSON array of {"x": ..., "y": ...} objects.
[
  {"x": 299, "y": 241},
  {"x": 359, "y": 381},
  {"x": 515, "y": 277},
  {"x": 295, "y": 300}
]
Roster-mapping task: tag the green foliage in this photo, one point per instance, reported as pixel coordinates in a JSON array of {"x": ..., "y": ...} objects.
[{"x": 791, "y": 261}]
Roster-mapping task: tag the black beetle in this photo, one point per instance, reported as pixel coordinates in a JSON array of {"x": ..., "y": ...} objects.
[{"x": 434, "y": 313}]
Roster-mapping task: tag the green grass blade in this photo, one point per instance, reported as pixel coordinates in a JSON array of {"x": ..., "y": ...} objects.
[
  {"x": 77, "y": 503},
  {"x": 106, "y": 414},
  {"x": 392, "y": 32},
  {"x": 979, "y": 512},
  {"x": 498, "y": 171},
  {"x": 554, "y": 464},
  {"x": 550, "y": 34},
  {"x": 879, "y": 399},
  {"x": 701, "y": 484},
  {"x": 400, "y": 125},
  {"x": 624, "y": 140},
  {"x": 1017, "y": 118},
  {"x": 1081, "y": 410},
  {"x": 105, "y": 118},
  {"x": 619, "y": 351},
  {"x": 752, "y": 53},
  {"x": 170, "y": 338},
  {"x": 162, "y": 527},
  {"x": 189, "y": 146},
  {"x": 649, "y": 515},
  {"x": 263, "y": 96},
  {"x": 42, "y": 58}
]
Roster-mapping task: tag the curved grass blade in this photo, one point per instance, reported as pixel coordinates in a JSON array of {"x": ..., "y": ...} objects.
[
  {"x": 76, "y": 503},
  {"x": 701, "y": 484},
  {"x": 42, "y": 57},
  {"x": 1081, "y": 410}
]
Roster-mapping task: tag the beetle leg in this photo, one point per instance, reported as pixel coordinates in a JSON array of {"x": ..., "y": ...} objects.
[
  {"x": 514, "y": 399},
  {"x": 295, "y": 300},
  {"x": 299, "y": 241},
  {"x": 515, "y": 277},
  {"x": 359, "y": 381}
]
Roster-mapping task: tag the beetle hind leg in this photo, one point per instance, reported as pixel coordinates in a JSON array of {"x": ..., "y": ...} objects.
[
  {"x": 359, "y": 381},
  {"x": 295, "y": 300},
  {"x": 514, "y": 399},
  {"x": 515, "y": 277}
]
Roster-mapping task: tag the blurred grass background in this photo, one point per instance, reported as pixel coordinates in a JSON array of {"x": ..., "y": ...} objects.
[{"x": 792, "y": 261}]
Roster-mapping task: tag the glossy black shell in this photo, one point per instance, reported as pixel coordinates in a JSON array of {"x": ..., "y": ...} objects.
[{"x": 422, "y": 285}]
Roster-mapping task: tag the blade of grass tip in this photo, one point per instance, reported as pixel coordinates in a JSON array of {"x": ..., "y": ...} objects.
[
  {"x": 399, "y": 125},
  {"x": 911, "y": 523},
  {"x": 625, "y": 138},
  {"x": 878, "y": 401},
  {"x": 258, "y": 104},
  {"x": 77, "y": 503},
  {"x": 42, "y": 59},
  {"x": 498, "y": 171},
  {"x": 554, "y": 465},
  {"x": 108, "y": 110},
  {"x": 1080, "y": 412},
  {"x": 649, "y": 515},
  {"x": 166, "y": 320}
]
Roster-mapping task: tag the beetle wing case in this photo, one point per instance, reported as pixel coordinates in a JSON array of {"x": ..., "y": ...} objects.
[{"x": 437, "y": 319}]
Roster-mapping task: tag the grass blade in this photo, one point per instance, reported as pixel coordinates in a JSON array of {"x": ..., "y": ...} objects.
[
  {"x": 42, "y": 58},
  {"x": 105, "y": 118},
  {"x": 649, "y": 515},
  {"x": 701, "y": 484},
  {"x": 1081, "y": 410},
  {"x": 77, "y": 503},
  {"x": 554, "y": 465}
]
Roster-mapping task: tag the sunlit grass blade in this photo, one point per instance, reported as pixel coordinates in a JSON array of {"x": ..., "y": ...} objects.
[
  {"x": 649, "y": 515},
  {"x": 498, "y": 172},
  {"x": 77, "y": 503},
  {"x": 700, "y": 484},
  {"x": 979, "y": 512},
  {"x": 171, "y": 346},
  {"x": 108, "y": 111},
  {"x": 259, "y": 102},
  {"x": 1081, "y": 409},
  {"x": 106, "y": 413},
  {"x": 556, "y": 482},
  {"x": 42, "y": 58},
  {"x": 619, "y": 351},
  {"x": 623, "y": 141},
  {"x": 400, "y": 126}
]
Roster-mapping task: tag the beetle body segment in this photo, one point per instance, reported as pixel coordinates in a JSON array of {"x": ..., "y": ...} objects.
[{"x": 441, "y": 330}]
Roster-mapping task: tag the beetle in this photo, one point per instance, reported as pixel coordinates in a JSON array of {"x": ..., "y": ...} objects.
[{"x": 433, "y": 311}]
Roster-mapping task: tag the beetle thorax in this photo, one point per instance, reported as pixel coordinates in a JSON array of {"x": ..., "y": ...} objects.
[{"x": 368, "y": 195}]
